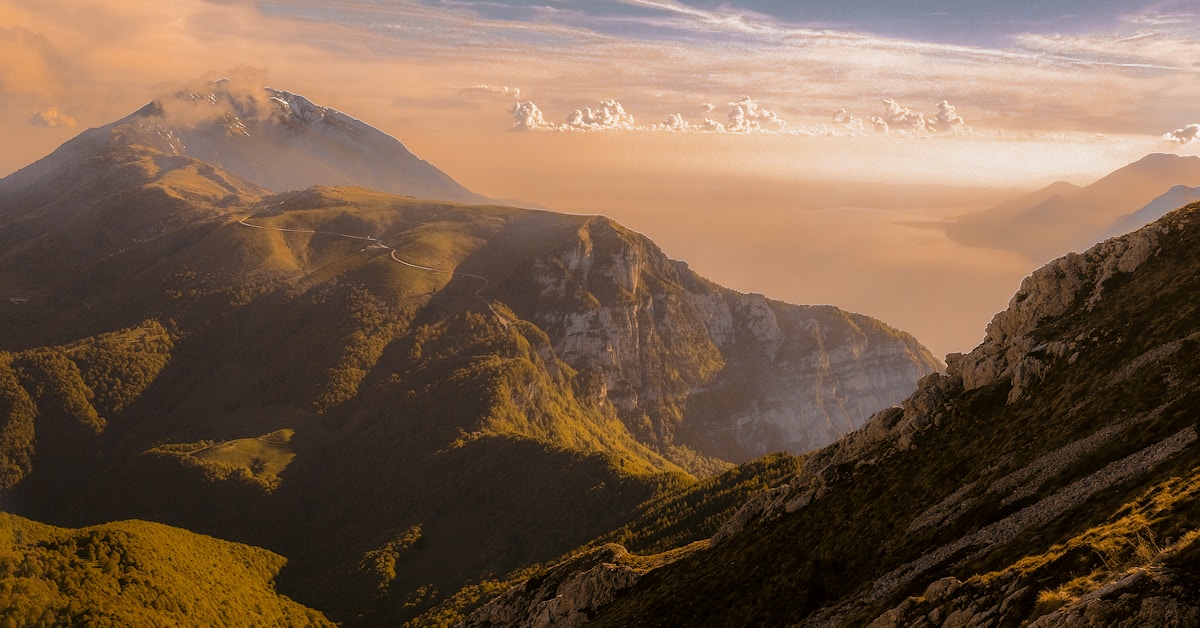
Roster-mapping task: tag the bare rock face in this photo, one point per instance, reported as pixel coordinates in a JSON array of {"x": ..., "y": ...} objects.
[
  {"x": 1011, "y": 350},
  {"x": 689, "y": 363},
  {"x": 565, "y": 595}
]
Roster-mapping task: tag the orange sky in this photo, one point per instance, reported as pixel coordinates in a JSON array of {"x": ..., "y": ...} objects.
[{"x": 795, "y": 203}]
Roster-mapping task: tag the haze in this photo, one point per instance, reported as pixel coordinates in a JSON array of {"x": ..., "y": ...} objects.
[{"x": 807, "y": 153}]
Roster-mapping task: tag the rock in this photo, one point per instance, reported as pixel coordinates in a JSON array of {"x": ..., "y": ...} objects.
[
  {"x": 686, "y": 362},
  {"x": 1010, "y": 351},
  {"x": 565, "y": 595},
  {"x": 941, "y": 589}
]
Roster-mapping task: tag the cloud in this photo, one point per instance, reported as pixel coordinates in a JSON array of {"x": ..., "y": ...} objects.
[
  {"x": 947, "y": 120},
  {"x": 527, "y": 117},
  {"x": 858, "y": 124},
  {"x": 674, "y": 122},
  {"x": 899, "y": 119},
  {"x": 497, "y": 90},
  {"x": 1186, "y": 135},
  {"x": 609, "y": 115},
  {"x": 236, "y": 92},
  {"x": 746, "y": 116},
  {"x": 33, "y": 68},
  {"x": 51, "y": 117}
]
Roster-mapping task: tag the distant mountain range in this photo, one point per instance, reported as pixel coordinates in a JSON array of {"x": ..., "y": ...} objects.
[
  {"x": 1174, "y": 198},
  {"x": 1064, "y": 217},
  {"x": 400, "y": 396}
]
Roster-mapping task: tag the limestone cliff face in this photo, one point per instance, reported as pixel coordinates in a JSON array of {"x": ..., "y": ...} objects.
[{"x": 687, "y": 362}]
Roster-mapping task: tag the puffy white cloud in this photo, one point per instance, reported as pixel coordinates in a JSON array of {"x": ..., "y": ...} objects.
[
  {"x": 51, "y": 117},
  {"x": 859, "y": 124},
  {"x": 1185, "y": 135},
  {"x": 947, "y": 120},
  {"x": 902, "y": 120},
  {"x": 609, "y": 115},
  {"x": 708, "y": 107},
  {"x": 899, "y": 117},
  {"x": 746, "y": 116},
  {"x": 674, "y": 122},
  {"x": 527, "y": 117}
]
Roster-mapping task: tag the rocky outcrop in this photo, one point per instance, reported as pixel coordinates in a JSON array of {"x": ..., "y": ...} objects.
[
  {"x": 1012, "y": 350},
  {"x": 566, "y": 594},
  {"x": 687, "y": 362}
]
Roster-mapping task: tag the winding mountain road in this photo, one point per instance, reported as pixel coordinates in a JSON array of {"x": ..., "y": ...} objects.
[{"x": 377, "y": 243}]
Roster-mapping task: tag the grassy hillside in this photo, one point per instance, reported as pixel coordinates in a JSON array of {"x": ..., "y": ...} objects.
[{"x": 137, "y": 573}]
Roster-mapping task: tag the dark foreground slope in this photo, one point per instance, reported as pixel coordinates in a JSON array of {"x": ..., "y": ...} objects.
[
  {"x": 399, "y": 396},
  {"x": 1052, "y": 476}
]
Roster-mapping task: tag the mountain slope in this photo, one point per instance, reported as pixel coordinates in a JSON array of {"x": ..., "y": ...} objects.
[
  {"x": 1052, "y": 476},
  {"x": 274, "y": 139},
  {"x": 137, "y": 573},
  {"x": 1063, "y": 217},
  {"x": 1177, "y": 196},
  {"x": 400, "y": 396},
  {"x": 283, "y": 141}
]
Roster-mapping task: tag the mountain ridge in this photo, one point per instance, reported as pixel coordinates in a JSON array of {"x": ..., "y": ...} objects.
[
  {"x": 1050, "y": 476},
  {"x": 322, "y": 373}
]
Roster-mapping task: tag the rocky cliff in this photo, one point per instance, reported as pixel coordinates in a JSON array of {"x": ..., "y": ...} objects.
[
  {"x": 1051, "y": 476},
  {"x": 689, "y": 363}
]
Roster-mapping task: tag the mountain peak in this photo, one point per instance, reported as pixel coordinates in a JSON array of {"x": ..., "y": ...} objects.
[{"x": 272, "y": 138}]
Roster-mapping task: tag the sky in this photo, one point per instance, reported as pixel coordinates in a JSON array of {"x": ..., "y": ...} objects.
[{"x": 806, "y": 150}]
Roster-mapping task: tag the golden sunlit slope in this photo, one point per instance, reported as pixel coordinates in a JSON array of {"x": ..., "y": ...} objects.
[{"x": 137, "y": 573}]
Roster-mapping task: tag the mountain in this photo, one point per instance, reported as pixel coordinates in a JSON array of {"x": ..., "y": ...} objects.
[
  {"x": 399, "y": 396},
  {"x": 1177, "y": 196},
  {"x": 274, "y": 139},
  {"x": 1050, "y": 478},
  {"x": 137, "y": 573},
  {"x": 1064, "y": 217}
]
